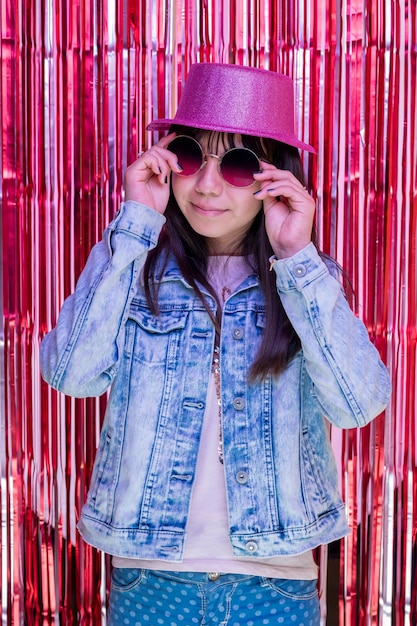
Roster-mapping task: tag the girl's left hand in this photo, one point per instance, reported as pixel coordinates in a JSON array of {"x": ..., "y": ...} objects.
[{"x": 289, "y": 210}]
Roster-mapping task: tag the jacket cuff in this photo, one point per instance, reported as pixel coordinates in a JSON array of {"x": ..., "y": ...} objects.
[
  {"x": 299, "y": 270},
  {"x": 138, "y": 220}
]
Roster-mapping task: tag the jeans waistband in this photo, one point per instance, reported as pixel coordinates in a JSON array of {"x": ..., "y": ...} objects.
[{"x": 199, "y": 577}]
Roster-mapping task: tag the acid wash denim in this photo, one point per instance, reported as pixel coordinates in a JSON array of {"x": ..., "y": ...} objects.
[{"x": 280, "y": 473}]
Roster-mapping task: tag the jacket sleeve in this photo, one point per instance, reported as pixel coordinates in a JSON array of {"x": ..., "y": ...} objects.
[
  {"x": 79, "y": 356},
  {"x": 349, "y": 379}
]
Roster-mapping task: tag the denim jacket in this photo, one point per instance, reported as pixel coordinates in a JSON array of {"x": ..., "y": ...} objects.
[{"x": 280, "y": 473}]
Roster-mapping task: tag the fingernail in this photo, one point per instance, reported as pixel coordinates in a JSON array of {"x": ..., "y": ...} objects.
[
  {"x": 166, "y": 179},
  {"x": 255, "y": 192},
  {"x": 179, "y": 167},
  {"x": 160, "y": 171}
]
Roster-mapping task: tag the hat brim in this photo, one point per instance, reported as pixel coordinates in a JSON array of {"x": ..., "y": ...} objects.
[{"x": 165, "y": 124}]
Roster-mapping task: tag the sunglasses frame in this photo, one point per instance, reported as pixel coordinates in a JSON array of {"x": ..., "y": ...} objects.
[{"x": 205, "y": 155}]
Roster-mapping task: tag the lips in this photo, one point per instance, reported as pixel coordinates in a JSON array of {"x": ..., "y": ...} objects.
[{"x": 207, "y": 210}]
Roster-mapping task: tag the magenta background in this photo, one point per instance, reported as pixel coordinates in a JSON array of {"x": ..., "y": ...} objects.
[{"x": 78, "y": 83}]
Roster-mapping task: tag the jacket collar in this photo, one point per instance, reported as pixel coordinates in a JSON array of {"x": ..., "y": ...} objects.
[{"x": 173, "y": 273}]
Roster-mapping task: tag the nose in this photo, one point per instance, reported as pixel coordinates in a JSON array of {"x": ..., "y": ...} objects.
[{"x": 209, "y": 181}]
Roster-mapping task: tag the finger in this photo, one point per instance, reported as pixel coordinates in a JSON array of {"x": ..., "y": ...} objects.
[
  {"x": 164, "y": 141},
  {"x": 270, "y": 172},
  {"x": 169, "y": 156},
  {"x": 165, "y": 159},
  {"x": 292, "y": 191},
  {"x": 150, "y": 165},
  {"x": 158, "y": 162}
]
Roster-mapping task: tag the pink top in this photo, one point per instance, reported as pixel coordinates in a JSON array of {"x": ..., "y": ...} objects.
[{"x": 207, "y": 545}]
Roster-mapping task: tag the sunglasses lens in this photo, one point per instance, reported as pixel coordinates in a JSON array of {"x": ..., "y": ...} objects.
[
  {"x": 188, "y": 153},
  {"x": 238, "y": 167}
]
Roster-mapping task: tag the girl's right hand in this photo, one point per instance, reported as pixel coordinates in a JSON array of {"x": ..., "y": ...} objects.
[{"x": 147, "y": 179}]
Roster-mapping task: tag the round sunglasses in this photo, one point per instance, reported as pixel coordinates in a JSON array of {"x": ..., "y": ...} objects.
[{"x": 237, "y": 165}]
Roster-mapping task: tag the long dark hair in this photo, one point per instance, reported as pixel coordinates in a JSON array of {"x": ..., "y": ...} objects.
[{"x": 280, "y": 342}]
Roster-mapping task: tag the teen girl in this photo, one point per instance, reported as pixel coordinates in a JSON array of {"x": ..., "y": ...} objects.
[{"x": 229, "y": 347}]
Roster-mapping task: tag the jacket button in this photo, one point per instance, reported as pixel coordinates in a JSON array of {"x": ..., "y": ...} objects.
[
  {"x": 238, "y": 404},
  {"x": 299, "y": 270},
  {"x": 242, "y": 477},
  {"x": 251, "y": 546},
  {"x": 238, "y": 333}
]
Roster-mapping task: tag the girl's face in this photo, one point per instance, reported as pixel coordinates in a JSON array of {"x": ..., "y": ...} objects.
[{"x": 213, "y": 208}]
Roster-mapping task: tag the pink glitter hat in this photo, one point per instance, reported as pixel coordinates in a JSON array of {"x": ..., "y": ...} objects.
[{"x": 237, "y": 99}]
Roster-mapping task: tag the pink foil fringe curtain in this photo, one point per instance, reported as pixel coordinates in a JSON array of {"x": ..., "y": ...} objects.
[{"x": 79, "y": 82}]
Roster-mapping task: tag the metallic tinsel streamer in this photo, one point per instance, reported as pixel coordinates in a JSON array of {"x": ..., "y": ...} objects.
[{"x": 79, "y": 82}]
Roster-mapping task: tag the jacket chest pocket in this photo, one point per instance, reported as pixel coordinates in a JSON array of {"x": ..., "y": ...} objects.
[
  {"x": 155, "y": 339},
  {"x": 260, "y": 319}
]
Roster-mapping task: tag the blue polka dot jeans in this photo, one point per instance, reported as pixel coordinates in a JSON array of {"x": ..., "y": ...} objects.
[{"x": 153, "y": 598}]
